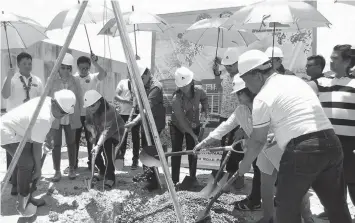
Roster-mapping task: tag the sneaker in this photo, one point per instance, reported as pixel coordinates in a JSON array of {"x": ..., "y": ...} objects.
[
  {"x": 57, "y": 176},
  {"x": 134, "y": 164},
  {"x": 72, "y": 174},
  {"x": 323, "y": 216},
  {"x": 14, "y": 190}
]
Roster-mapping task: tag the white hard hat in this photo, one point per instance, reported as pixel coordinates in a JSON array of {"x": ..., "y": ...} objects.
[
  {"x": 91, "y": 97},
  {"x": 277, "y": 52},
  {"x": 68, "y": 59},
  {"x": 238, "y": 84},
  {"x": 252, "y": 59},
  {"x": 183, "y": 76},
  {"x": 66, "y": 100},
  {"x": 231, "y": 55}
]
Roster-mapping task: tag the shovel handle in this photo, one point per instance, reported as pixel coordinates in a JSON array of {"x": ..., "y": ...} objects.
[
  {"x": 220, "y": 192},
  {"x": 187, "y": 152},
  {"x": 225, "y": 160}
]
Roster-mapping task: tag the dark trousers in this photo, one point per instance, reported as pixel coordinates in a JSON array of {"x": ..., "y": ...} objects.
[
  {"x": 255, "y": 195},
  {"x": 177, "y": 138},
  {"x": 107, "y": 152},
  {"x": 135, "y": 139},
  {"x": 22, "y": 175},
  {"x": 77, "y": 141},
  {"x": 227, "y": 140},
  {"x": 8, "y": 161},
  {"x": 348, "y": 144},
  {"x": 312, "y": 160},
  {"x": 57, "y": 150}
]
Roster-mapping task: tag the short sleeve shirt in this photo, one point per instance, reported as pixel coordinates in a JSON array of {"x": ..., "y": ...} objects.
[
  {"x": 15, "y": 122},
  {"x": 87, "y": 83},
  {"x": 18, "y": 93},
  {"x": 125, "y": 92},
  {"x": 290, "y": 107}
]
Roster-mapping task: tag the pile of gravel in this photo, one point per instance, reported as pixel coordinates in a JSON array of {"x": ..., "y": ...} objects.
[{"x": 161, "y": 210}]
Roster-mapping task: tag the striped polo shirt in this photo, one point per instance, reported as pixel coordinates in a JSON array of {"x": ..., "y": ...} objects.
[{"x": 337, "y": 96}]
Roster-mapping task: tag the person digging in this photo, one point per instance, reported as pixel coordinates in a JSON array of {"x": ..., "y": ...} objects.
[{"x": 13, "y": 126}]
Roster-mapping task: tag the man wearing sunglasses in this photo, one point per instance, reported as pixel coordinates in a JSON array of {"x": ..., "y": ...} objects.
[
  {"x": 88, "y": 81},
  {"x": 13, "y": 126}
]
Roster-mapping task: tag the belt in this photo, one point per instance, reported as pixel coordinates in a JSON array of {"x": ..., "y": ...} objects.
[{"x": 312, "y": 135}]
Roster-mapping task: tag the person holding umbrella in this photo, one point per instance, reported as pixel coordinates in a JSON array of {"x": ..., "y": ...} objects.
[
  {"x": 107, "y": 124},
  {"x": 312, "y": 153},
  {"x": 185, "y": 119},
  {"x": 13, "y": 126}
]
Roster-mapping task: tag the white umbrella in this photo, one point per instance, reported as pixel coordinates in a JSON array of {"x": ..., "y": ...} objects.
[
  {"x": 19, "y": 32},
  {"x": 136, "y": 21},
  {"x": 92, "y": 14},
  {"x": 349, "y": 2},
  {"x": 274, "y": 15},
  {"x": 208, "y": 32}
]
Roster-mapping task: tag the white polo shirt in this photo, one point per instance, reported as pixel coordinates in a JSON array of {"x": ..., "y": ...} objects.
[
  {"x": 18, "y": 93},
  {"x": 13, "y": 124},
  {"x": 125, "y": 93},
  {"x": 290, "y": 106},
  {"x": 87, "y": 83}
]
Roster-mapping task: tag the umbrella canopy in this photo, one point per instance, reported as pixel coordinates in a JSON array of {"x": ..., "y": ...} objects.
[
  {"x": 92, "y": 14},
  {"x": 21, "y": 32},
  {"x": 209, "y": 32},
  {"x": 349, "y": 2},
  {"x": 279, "y": 14},
  {"x": 136, "y": 21}
]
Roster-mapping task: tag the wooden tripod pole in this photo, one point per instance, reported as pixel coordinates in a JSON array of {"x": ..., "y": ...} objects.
[
  {"x": 139, "y": 83},
  {"x": 44, "y": 95}
]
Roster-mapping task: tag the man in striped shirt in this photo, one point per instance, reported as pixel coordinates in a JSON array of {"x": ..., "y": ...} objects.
[{"x": 337, "y": 96}]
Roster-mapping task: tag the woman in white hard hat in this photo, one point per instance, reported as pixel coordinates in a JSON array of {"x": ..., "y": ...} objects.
[
  {"x": 185, "y": 119},
  {"x": 276, "y": 58},
  {"x": 13, "y": 126},
  {"x": 69, "y": 123},
  {"x": 108, "y": 128},
  {"x": 267, "y": 161}
]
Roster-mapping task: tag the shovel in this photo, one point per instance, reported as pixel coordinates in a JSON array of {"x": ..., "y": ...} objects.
[
  {"x": 204, "y": 216},
  {"x": 88, "y": 182},
  {"x": 30, "y": 209},
  {"x": 119, "y": 161},
  {"x": 207, "y": 191}
]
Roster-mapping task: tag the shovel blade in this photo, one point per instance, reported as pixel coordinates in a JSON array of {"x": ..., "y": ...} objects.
[
  {"x": 119, "y": 164},
  {"x": 208, "y": 188},
  {"x": 203, "y": 217},
  {"x": 88, "y": 183},
  {"x": 188, "y": 183},
  {"x": 148, "y": 160},
  {"x": 30, "y": 210},
  {"x": 220, "y": 185}
]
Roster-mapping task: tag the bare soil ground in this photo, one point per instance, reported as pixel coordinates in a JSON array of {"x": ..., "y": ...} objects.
[{"x": 70, "y": 201}]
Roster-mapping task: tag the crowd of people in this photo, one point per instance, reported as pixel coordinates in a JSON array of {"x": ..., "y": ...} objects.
[{"x": 297, "y": 133}]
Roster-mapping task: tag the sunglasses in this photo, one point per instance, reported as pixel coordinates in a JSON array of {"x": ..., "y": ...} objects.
[{"x": 84, "y": 68}]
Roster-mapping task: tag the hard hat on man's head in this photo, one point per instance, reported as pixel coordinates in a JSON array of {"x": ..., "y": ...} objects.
[
  {"x": 183, "y": 76},
  {"x": 238, "y": 84},
  {"x": 68, "y": 59},
  {"x": 277, "y": 52},
  {"x": 66, "y": 100},
  {"x": 252, "y": 59},
  {"x": 142, "y": 67},
  {"x": 91, "y": 97},
  {"x": 231, "y": 55}
]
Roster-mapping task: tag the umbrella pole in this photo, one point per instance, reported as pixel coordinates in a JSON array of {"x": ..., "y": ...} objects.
[
  {"x": 7, "y": 42},
  {"x": 273, "y": 44},
  {"x": 43, "y": 96},
  {"x": 217, "y": 41},
  {"x": 132, "y": 65},
  {"x": 135, "y": 37},
  {"x": 87, "y": 36}
]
